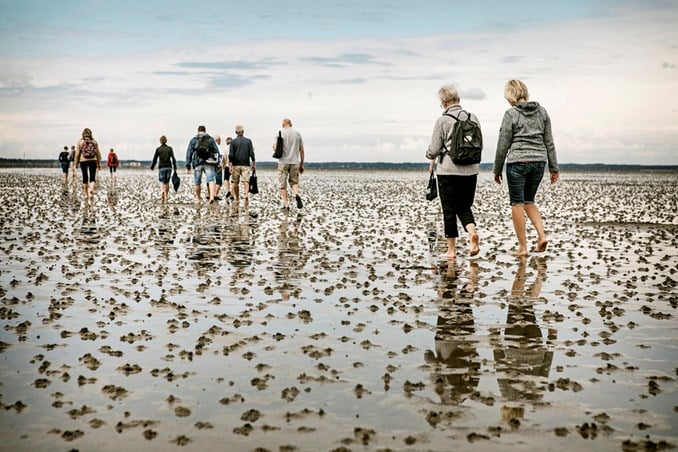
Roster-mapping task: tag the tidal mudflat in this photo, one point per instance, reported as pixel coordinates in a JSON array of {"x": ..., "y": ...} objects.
[{"x": 128, "y": 325}]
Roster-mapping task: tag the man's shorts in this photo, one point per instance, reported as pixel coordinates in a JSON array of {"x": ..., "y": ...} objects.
[
  {"x": 238, "y": 172},
  {"x": 64, "y": 167},
  {"x": 197, "y": 174},
  {"x": 288, "y": 172},
  {"x": 219, "y": 176},
  {"x": 164, "y": 175}
]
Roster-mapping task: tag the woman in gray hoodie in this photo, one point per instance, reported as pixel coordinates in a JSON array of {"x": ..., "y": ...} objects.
[{"x": 526, "y": 144}]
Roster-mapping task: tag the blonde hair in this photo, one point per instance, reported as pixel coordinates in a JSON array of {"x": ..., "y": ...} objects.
[
  {"x": 87, "y": 133},
  {"x": 163, "y": 139},
  {"x": 514, "y": 91},
  {"x": 448, "y": 94}
]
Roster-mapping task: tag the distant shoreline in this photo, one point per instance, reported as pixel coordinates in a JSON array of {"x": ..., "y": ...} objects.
[{"x": 139, "y": 164}]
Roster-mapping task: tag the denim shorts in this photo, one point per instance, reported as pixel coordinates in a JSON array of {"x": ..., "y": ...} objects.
[
  {"x": 164, "y": 174},
  {"x": 523, "y": 180},
  {"x": 197, "y": 174}
]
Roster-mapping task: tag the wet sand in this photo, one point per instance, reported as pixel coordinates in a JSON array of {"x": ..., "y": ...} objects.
[{"x": 127, "y": 325}]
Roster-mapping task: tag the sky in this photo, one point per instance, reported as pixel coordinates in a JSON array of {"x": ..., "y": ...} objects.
[{"x": 358, "y": 78}]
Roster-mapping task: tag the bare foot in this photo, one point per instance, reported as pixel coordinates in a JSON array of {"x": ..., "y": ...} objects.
[
  {"x": 475, "y": 247},
  {"x": 449, "y": 255},
  {"x": 197, "y": 201},
  {"x": 540, "y": 247},
  {"x": 519, "y": 252}
]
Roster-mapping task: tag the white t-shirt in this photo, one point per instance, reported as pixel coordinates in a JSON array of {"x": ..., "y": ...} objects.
[{"x": 292, "y": 142}]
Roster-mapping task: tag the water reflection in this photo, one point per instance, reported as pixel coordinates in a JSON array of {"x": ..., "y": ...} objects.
[
  {"x": 524, "y": 351},
  {"x": 88, "y": 232},
  {"x": 455, "y": 362},
  {"x": 241, "y": 237},
  {"x": 165, "y": 231},
  {"x": 292, "y": 256},
  {"x": 205, "y": 242}
]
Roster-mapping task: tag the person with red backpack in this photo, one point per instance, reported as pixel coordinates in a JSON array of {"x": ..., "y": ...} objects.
[
  {"x": 112, "y": 163},
  {"x": 87, "y": 155}
]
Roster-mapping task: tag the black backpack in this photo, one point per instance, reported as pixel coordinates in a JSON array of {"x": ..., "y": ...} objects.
[
  {"x": 466, "y": 140},
  {"x": 278, "y": 146},
  {"x": 203, "y": 148}
]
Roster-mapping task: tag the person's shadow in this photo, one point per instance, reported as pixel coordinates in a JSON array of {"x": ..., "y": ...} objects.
[
  {"x": 455, "y": 363},
  {"x": 524, "y": 356}
]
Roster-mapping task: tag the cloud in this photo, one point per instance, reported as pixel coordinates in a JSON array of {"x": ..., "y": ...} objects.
[{"x": 346, "y": 59}]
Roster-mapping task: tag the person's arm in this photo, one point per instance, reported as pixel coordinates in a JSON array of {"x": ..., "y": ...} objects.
[
  {"x": 550, "y": 149},
  {"x": 503, "y": 145},
  {"x": 76, "y": 156},
  {"x": 189, "y": 155},
  {"x": 174, "y": 160},
  {"x": 436, "y": 146},
  {"x": 254, "y": 160},
  {"x": 301, "y": 158},
  {"x": 98, "y": 155},
  {"x": 155, "y": 160}
]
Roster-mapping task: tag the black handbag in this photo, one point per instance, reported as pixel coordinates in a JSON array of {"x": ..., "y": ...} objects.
[
  {"x": 432, "y": 189},
  {"x": 254, "y": 189},
  {"x": 278, "y": 146},
  {"x": 175, "y": 181}
]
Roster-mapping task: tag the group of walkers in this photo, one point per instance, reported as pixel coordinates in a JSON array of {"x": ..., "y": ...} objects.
[
  {"x": 233, "y": 167},
  {"x": 526, "y": 145}
]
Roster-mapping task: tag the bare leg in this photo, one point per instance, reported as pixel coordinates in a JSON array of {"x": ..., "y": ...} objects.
[
  {"x": 235, "y": 191},
  {"x": 450, "y": 254},
  {"x": 285, "y": 197},
  {"x": 196, "y": 190},
  {"x": 246, "y": 188},
  {"x": 519, "y": 226},
  {"x": 535, "y": 218},
  {"x": 85, "y": 191},
  {"x": 92, "y": 186},
  {"x": 295, "y": 189},
  {"x": 474, "y": 247},
  {"x": 212, "y": 189}
]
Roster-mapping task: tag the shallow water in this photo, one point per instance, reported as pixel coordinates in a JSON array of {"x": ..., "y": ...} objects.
[{"x": 132, "y": 325}]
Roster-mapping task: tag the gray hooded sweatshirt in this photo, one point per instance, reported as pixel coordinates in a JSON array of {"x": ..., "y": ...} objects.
[{"x": 525, "y": 136}]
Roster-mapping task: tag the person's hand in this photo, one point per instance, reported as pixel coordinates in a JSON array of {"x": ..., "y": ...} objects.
[
  {"x": 188, "y": 170},
  {"x": 555, "y": 177},
  {"x": 497, "y": 178},
  {"x": 430, "y": 167},
  {"x": 301, "y": 168}
]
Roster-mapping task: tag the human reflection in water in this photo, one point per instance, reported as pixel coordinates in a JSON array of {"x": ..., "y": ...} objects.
[
  {"x": 241, "y": 237},
  {"x": 88, "y": 233},
  {"x": 524, "y": 353},
  {"x": 205, "y": 243},
  {"x": 292, "y": 256},
  {"x": 112, "y": 196},
  {"x": 455, "y": 363},
  {"x": 164, "y": 232}
]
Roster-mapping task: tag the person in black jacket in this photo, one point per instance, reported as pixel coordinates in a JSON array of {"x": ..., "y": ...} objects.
[
  {"x": 65, "y": 163},
  {"x": 164, "y": 156}
]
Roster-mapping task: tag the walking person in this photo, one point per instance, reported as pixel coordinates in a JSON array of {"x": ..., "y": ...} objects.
[
  {"x": 88, "y": 156},
  {"x": 112, "y": 163},
  {"x": 65, "y": 164},
  {"x": 240, "y": 154},
  {"x": 526, "y": 144},
  {"x": 71, "y": 159},
  {"x": 226, "y": 169},
  {"x": 164, "y": 156},
  {"x": 219, "y": 170},
  {"x": 201, "y": 157},
  {"x": 291, "y": 164},
  {"x": 456, "y": 183}
]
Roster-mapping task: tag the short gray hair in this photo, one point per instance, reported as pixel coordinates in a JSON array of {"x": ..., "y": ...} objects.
[{"x": 448, "y": 94}]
